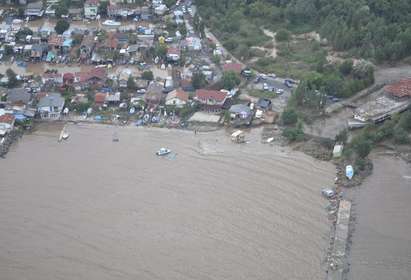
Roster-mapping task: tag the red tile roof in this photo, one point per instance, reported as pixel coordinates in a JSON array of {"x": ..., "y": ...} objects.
[
  {"x": 180, "y": 94},
  {"x": 7, "y": 118},
  {"x": 100, "y": 98},
  {"x": 56, "y": 40},
  {"x": 400, "y": 89},
  {"x": 204, "y": 95},
  {"x": 99, "y": 73},
  {"x": 68, "y": 77},
  {"x": 236, "y": 67},
  {"x": 173, "y": 51}
]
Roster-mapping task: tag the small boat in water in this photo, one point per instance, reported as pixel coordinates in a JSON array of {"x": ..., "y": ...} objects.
[
  {"x": 163, "y": 152},
  {"x": 115, "y": 137},
  {"x": 111, "y": 23}
]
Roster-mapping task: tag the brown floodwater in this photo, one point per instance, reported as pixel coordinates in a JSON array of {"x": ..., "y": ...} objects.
[
  {"x": 90, "y": 208},
  {"x": 381, "y": 242}
]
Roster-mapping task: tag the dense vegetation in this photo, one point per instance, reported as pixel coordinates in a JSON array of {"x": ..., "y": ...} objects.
[{"x": 377, "y": 29}]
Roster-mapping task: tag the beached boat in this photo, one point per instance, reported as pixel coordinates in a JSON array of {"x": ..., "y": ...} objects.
[
  {"x": 65, "y": 135},
  {"x": 163, "y": 152},
  {"x": 111, "y": 23},
  {"x": 349, "y": 172}
]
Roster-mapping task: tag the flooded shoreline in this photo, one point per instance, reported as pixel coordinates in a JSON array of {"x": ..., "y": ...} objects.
[
  {"x": 381, "y": 245},
  {"x": 90, "y": 208}
]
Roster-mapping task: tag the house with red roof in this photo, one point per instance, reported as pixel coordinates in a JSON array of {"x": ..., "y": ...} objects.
[
  {"x": 178, "y": 98},
  {"x": 211, "y": 100},
  {"x": 399, "y": 91},
  {"x": 96, "y": 76},
  {"x": 100, "y": 98},
  {"x": 173, "y": 54}
]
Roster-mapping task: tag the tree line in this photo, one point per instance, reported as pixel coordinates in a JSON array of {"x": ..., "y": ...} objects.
[{"x": 374, "y": 29}]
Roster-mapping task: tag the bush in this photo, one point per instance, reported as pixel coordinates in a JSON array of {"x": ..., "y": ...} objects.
[
  {"x": 363, "y": 147},
  {"x": 283, "y": 35},
  {"x": 147, "y": 75},
  {"x": 401, "y": 136},
  {"x": 61, "y": 26},
  {"x": 294, "y": 133},
  {"x": 289, "y": 117},
  {"x": 230, "y": 80},
  {"x": 342, "y": 137}
]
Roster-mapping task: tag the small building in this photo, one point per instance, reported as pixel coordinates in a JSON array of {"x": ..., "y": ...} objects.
[
  {"x": 100, "y": 98},
  {"x": 50, "y": 106},
  {"x": 399, "y": 91},
  {"x": 337, "y": 151},
  {"x": 173, "y": 54},
  {"x": 211, "y": 100},
  {"x": 53, "y": 78},
  {"x": 34, "y": 9},
  {"x": 19, "y": 96},
  {"x": 6, "y": 123},
  {"x": 123, "y": 78},
  {"x": 178, "y": 98},
  {"x": 38, "y": 51},
  {"x": 264, "y": 104},
  {"x": 91, "y": 9},
  {"x": 113, "y": 97}
]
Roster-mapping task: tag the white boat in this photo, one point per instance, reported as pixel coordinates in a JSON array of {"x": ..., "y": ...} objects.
[
  {"x": 163, "y": 152},
  {"x": 271, "y": 139},
  {"x": 65, "y": 135},
  {"x": 349, "y": 172},
  {"x": 110, "y": 22}
]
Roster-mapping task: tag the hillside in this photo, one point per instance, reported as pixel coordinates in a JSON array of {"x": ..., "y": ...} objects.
[{"x": 374, "y": 29}]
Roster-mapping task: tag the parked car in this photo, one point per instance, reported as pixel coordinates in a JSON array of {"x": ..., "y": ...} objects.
[{"x": 279, "y": 91}]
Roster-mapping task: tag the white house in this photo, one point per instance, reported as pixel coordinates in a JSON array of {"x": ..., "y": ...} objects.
[
  {"x": 51, "y": 106},
  {"x": 91, "y": 9},
  {"x": 177, "y": 98}
]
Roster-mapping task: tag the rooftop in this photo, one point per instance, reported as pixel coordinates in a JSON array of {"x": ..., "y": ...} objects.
[{"x": 400, "y": 89}]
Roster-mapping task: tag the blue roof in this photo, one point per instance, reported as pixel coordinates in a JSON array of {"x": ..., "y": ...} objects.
[{"x": 68, "y": 43}]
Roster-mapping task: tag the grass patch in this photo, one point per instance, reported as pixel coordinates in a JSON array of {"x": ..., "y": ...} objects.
[
  {"x": 296, "y": 60},
  {"x": 262, "y": 94}
]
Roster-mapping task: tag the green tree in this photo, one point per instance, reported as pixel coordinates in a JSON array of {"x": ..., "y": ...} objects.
[
  {"x": 283, "y": 35},
  {"x": 161, "y": 51},
  {"x": 147, "y": 75},
  {"x": 61, "y": 9},
  {"x": 102, "y": 8},
  {"x": 289, "y": 117},
  {"x": 23, "y": 33},
  {"x": 61, "y": 26},
  {"x": 198, "y": 80},
  {"x": 401, "y": 136},
  {"x": 363, "y": 147},
  {"x": 8, "y": 50},
  {"x": 230, "y": 80},
  {"x": 131, "y": 84},
  {"x": 12, "y": 77},
  {"x": 346, "y": 67}
]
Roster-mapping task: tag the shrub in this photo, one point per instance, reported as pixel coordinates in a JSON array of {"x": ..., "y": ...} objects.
[{"x": 289, "y": 117}]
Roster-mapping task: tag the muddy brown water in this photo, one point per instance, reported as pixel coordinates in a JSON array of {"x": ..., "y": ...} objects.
[
  {"x": 90, "y": 208},
  {"x": 381, "y": 242}
]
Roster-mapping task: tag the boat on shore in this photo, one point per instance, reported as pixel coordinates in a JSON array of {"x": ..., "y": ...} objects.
[
  {"x": 110, "y": 22},
  {"x": 163, "y": 152}
]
